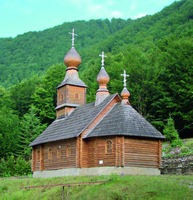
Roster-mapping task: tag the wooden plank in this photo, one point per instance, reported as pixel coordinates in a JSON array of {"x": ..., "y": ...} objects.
[
  {"x": 64, "y": 185},
  {"x": 41, "y": 158},
  {"x": 33, "y": 159},
  {"x": 78, "y": 152},
  {"x": 159, "y": 153}
]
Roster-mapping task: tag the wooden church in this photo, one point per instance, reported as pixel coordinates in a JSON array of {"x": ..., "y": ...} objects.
[{"x": 99, "y": 138}]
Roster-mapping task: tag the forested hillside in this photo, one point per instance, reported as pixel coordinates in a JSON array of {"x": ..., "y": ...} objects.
[
  {"x": 34, "y": 52},
  {"x": 156, "y": 51}
]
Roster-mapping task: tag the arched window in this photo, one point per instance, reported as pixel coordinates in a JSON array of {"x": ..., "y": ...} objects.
[
  {"x": 38, "y": 155},
  {"x": 76, "y": 96},
  {"x": 59, "y": 152},
  {"x": 49, "y": 153},
  {"x": 61, "y": 96},
  {"x": 68, "y": 150},
  {"x": 109, "y": 147}
]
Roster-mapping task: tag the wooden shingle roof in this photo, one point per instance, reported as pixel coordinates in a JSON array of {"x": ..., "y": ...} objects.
[
  {"x": 73, "y": 125},
  {"x": 70, "y": 81},
  {"x": 121, "y": 120},
  {"x": 124, "y": 120}
]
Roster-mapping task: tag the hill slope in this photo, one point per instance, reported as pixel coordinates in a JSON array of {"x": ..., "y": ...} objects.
[
  {"x": 33, "y": 52},
  {"x": 115, "y": 187}
]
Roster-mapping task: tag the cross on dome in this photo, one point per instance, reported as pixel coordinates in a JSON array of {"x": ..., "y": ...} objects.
[
  {"x": 124, "y": 78},
  {"x": 103, "y": 58},
  {"x": 73, "y": 38}
]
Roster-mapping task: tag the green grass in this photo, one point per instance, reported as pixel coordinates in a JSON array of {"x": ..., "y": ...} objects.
[{"x": 116, "y": 188}]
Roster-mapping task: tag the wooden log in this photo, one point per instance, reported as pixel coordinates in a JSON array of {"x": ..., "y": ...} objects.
[{"x": 64, "y": 185}]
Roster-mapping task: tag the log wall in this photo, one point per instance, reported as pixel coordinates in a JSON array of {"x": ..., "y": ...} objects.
[
  {"x": 61, "y": 95},
  {"x": 96, "y": 152},
  {"x": 71, "y": 94},
  {"x": 76, "y": 95},
  {"x": 36, "y": 158},
  {"x": 116, "y": 151},
  {"x": 55, "y": 155},
  {"x": 119, "y": 154},
  {"x": 142, "y": 153}
]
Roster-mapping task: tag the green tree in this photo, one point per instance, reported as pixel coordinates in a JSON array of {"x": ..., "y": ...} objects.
[
  {"x": 9, "y": 132},
  {"x": 21, "y": 95},
  {"x": 176, "y": 82},
  {"x": 30, "y": 128},
  {"x": 171, "y": 133},
  {"x": 45, "y": 95},
  {"x": 5, "y": 100}
]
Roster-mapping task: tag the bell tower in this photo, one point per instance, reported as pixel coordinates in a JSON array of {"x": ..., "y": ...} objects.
[{"x": 71, "y": 92}]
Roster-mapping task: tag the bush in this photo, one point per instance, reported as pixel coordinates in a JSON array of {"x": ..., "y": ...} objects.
[
  {"x": 171, "y": 133},
  {"x": 176, "y": 142},
  {"x": 12, "y": 166}
]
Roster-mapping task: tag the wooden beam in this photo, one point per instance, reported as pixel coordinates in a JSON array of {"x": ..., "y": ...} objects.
[
  {"x": 64, "y": 185},
  {"x": 33, "y": 159},
  {"x": 42, "y": 157}
]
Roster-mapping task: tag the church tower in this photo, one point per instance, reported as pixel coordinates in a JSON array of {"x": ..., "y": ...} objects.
[{"x": 71, "y": 92}]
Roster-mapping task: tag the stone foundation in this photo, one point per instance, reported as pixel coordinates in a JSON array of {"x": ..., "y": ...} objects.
[
  {"x": 96, "y": 171},
  {"x": 177, "y": 165}
]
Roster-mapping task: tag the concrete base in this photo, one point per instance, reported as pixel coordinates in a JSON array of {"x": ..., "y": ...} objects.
[{"x": 96, "y": 171}]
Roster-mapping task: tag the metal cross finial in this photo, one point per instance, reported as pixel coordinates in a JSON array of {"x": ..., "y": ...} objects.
[
  {"x": 124, "y": 78},
  {"x": 73, "y": 34},
  {"x": 103, "y": 58}
]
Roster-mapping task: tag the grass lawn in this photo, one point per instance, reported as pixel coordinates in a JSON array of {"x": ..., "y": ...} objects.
[{"x": 116, "y": 187}]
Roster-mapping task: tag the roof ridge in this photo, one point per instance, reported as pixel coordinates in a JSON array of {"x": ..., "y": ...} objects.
[{"x": 100, "y": 119}]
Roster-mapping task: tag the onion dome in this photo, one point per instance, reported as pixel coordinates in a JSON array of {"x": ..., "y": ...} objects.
[
  {"x": 125, "y": 94},
  {"x": 72, "y": 58},
  {"x": 103, "y": 77}
]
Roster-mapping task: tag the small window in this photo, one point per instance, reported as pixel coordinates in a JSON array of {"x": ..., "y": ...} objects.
[
  {"x": 68, "y": 150},
  {"x": 109, "y": 147},
  {"x": 38, "y": 155},
  {"x": 76, "y": 96},
  {"x": 49, "y": 154},
  {"x": 59, "y": 152},
  {"x": 61, "y": 96}
]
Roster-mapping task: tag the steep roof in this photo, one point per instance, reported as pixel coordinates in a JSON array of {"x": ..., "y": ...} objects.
[
  {"x": 70, "y": 81},
  {"x": 124, "y": 120},
  {"x": 121, "y": 120},
  {"x": 73, "y": 125}
]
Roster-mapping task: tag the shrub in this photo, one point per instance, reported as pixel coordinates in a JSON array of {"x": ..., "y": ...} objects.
[
  {"x": 12, "y": 166},
  {"x": 171, "y": 133}
]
